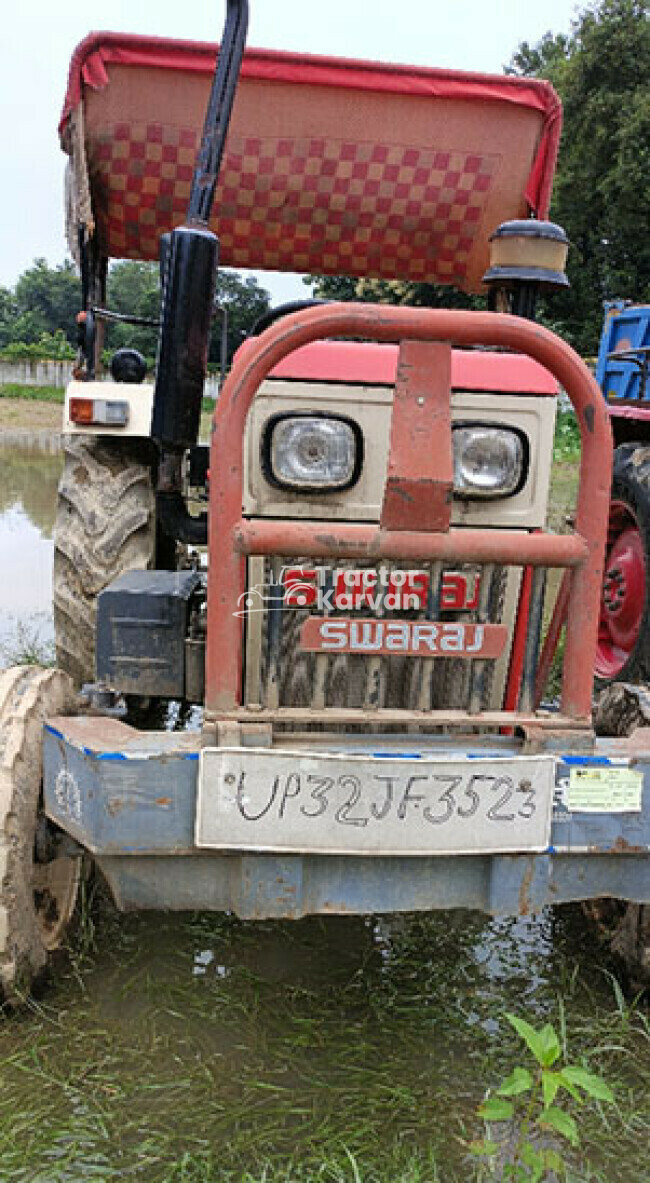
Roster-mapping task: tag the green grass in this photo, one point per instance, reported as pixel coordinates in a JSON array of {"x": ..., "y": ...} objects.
[
  {"x": 198, "y": 1048},
  {"x": 40, "y": 394},
  {"x": 562, "y": 501}
]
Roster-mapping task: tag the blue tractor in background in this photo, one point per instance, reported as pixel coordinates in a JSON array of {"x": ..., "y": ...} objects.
[{"x": 622, "y": 372}]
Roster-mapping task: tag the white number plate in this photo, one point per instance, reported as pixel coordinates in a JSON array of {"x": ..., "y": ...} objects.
[{"x": 301, "y": 802}]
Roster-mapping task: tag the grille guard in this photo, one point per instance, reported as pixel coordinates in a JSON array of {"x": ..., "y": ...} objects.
[{"x": 231, "y": 537}]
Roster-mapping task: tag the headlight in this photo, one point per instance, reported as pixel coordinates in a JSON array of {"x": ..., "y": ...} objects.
[
  {"x": 488, "y": 461},
  {"x": 312, "y": 452}
]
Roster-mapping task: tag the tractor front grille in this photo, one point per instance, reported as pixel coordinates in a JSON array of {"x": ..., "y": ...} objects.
[{"x": 280, "y": 674}]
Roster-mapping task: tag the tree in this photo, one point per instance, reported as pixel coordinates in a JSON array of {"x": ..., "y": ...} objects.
[
  {"x": 47, "y": 300},
  {"x": 541, "y": 60},
  {"x": 389, "y": 291},
  {"x": 134, "y": 288},
  {"x": 602, "y": 192},
  {"x": 245, "y": 302},
  {"x": 8, "y": 314}
]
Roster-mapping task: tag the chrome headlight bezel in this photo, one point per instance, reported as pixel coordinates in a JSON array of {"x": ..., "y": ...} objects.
[
  {"x": 477, "y": 493},
  {"x": 289, "y": 486}
]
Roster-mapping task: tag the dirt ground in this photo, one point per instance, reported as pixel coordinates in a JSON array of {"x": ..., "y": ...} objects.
[{"x": 18, "y": 414}]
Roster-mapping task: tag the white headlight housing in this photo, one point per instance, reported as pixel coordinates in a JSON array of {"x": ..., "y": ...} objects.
[
  {"x": 488, "y": 461},
  {"x": 313, "y": 452}
]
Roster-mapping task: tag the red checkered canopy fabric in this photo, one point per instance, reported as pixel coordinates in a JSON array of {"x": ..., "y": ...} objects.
[{"x": 331, "y": 166}]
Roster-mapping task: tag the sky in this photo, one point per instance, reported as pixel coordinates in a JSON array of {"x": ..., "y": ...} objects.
[{"x": 39, "y": 37}]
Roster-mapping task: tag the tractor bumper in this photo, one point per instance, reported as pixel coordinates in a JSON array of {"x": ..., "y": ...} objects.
[{"x": 134, "y": 800}]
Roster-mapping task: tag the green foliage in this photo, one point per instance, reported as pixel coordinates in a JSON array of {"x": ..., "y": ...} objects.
[
  {"x": 38, "y": 320},
  {"x": 566, "y": 445},
  {"x": 601, "y": 71},
  {"x": 546, "y": 58},
  {"x": 245, "y": 302},
  {"x": 47, "y": 300},
  {"x": 385, "y": 291},
  {"x": 533, "y": 1104},
  {"x": 48, "y": 347},
  {"x": 134, "y": 288},
  {"x": 27, "y": 647},
  {"x": 8, "y": 314}
]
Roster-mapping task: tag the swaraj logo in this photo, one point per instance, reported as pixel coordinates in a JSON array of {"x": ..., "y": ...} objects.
[
  {"x": 410, "y": 638},
  {"x": 346, "y": 590}
]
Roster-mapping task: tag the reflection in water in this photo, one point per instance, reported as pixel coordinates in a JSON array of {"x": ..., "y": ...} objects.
[{"x": 28, "y": 483}]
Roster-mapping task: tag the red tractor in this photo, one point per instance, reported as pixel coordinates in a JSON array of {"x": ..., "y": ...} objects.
[{"x": 358, "y": 606}]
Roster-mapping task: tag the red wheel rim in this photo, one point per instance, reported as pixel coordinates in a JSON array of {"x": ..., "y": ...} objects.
[{"x": 623, "y": 596}]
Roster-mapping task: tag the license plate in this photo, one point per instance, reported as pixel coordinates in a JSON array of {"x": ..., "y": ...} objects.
[{"x": 301, "y": 802}]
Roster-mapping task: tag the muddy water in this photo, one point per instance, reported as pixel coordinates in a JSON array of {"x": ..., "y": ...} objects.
[
  {"x": 202, "y": 1048},
  {"x": 199, "y": 1048},
  {"x": 28, "y": 481}
]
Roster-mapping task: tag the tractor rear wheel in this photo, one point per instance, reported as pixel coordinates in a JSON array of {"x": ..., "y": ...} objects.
[
  {"x": 621, "y": 708},
  {"x": 623, "y": 652},
  {"x": 38, "y": 886},
  {"x": 625, "y": 928},
  {"x": 105, "y": 525}
]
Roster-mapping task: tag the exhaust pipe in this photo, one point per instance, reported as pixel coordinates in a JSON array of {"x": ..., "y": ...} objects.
[{"x": 189, "y": 259}]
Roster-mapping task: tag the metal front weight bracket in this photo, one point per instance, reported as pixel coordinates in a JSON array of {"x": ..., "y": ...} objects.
[{"x": 96, "y": 698}]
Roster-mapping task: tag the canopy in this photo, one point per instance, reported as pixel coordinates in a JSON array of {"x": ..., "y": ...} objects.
[{"x": 331, "y": 166}]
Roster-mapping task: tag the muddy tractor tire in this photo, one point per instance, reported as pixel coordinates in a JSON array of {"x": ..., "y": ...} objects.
[
  {"x": 38, "y": 885},
  {"x": 623, "y": 652},
  {"x": 625, "y": 927},
  {"x": 105, "y": 525}
]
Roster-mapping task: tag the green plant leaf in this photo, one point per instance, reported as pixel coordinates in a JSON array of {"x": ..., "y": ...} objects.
[
  {"x": 568, "y": 1084},
  {"x": 561, "y": 1122},
  {"x": 551, "y": 1082},
  {"x": 551, "y": 1049},
  {"x": 589, "y": 1082},
  {"x": 484, "y": 1148},
  {"x": 553, "y": 1161},
  {"x": 531, "y": 1037},
  {"x": 519, "y": 1081},
  {"x": 495, "y": 1109},
  {"x": 533, "y": 1159}
]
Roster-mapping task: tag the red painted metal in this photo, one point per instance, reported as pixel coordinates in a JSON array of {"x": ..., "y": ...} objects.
[
  {"x": 227, "y": 532},
  {"x": 268, "y": 536},
  {"x": 369, "y": 364},
  {"x": 409, "y": 638},
  {"x": 516, "y": 670},
  {"x": 624, "y": 592},
  {"x": 630, "y": 411},
  {"x": 420, "y": 469}
]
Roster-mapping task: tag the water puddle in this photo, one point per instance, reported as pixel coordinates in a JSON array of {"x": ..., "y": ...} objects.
[
  {"x": 204, "y": 1048},
  {"x": 28, "y": 483}
]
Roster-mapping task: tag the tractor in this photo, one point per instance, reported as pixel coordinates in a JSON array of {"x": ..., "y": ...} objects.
[
  {"x": 623, "y": 653},
  {"x": 352, "y": 583}
]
